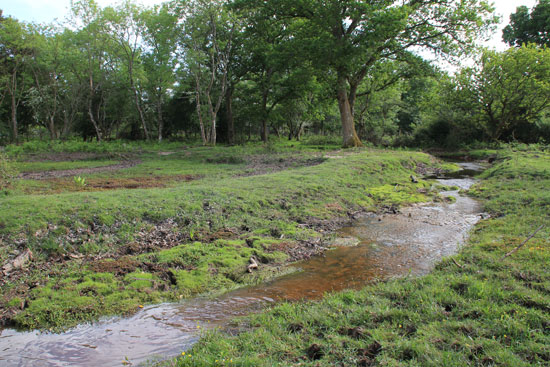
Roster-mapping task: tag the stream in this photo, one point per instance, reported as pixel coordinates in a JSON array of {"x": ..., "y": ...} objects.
[{"x": 372, "y": 247}]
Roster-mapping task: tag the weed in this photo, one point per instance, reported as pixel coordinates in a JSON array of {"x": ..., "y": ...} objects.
[{"x": 79, "y": 181}]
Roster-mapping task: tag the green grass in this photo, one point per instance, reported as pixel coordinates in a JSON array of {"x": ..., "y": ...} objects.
[
  {"x": 68, "y": 230},
  {"x": 65, "y": 165},
  {"x": 84, "y": 291},
  {"x": 487, "y": 311}
]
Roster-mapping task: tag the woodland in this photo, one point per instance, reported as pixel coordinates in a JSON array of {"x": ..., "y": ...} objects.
[{"x": 384, "y": 73}]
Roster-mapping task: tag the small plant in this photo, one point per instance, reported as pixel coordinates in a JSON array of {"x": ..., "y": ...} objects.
[{"x": 79, "y": 181}]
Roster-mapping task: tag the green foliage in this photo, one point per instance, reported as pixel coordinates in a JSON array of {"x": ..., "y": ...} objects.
[
  {"x": 509, "y": 88},
  {"x": 505, "y": 97},
  {"x": 528, "y": 27},
  {"x": 79, "y": 181},
  {"x": 127, "y": 70}
]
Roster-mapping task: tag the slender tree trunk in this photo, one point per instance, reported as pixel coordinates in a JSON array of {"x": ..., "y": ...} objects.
[
  {"x": 346, "y": 116},
  {"x": 276, "y": 130},
  {"x": 66, "y": 124},
  {"x": 51, "y": 127},
  {"x": 159, "y": 117},
  {"x": 213, "y": 131},
  {"x": 140, "y": 110},
  {"x": 229, "y": 116},
  {"x": 93, "y": 120},
  {"x": 264, "y": 131},
  {"x": 199, "y": 114},
  {"x": 14, "y": 118}
]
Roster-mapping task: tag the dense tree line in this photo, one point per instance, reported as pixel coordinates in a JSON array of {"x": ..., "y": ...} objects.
[{"x": 236, "y": 70}]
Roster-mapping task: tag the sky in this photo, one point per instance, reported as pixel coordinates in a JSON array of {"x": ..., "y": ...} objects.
[{"x": 44, "y": 11}]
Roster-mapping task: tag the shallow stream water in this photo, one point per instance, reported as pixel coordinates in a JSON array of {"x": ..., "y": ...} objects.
[{"x": 373, "y": 247}]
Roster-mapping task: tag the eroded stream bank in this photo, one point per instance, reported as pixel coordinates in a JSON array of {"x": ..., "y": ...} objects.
[{"x": 410, "y": 241}]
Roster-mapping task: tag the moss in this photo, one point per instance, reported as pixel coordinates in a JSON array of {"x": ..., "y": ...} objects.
[{"x": 15, "y": 302}]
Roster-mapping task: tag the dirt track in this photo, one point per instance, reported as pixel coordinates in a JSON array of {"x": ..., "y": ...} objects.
[{"x": 76, "y": 172}]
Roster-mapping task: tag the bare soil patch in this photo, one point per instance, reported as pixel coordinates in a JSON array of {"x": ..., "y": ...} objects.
[
  {"x": 76, "y": 172},
  {"x": 66, "y": 156},
  {"x": 264, "y": 164},
  {"x": 136, "y": 182}
]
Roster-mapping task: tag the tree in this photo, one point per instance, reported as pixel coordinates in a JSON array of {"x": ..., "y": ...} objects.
[
  {"x": 47, "y": 74},
  {"x": 92, "y": 41},
  {"x": 349, "y": 37},
  {"x": 509, "y": 88},
  {"x": 208, "y": 44},
  {"x": 15, "y": 50},
  {"x": 528, "y": 27},
  {"x": 277, "y": 77},
  {"x": 126, "y": 30},
  {"x": 159, "y": 60}
]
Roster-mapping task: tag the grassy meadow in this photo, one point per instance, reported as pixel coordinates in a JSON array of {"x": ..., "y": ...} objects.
[{"x": 171, "y": 221}]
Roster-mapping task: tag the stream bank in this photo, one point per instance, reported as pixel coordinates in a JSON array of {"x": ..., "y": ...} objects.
[{"x": 383, "y": 246}]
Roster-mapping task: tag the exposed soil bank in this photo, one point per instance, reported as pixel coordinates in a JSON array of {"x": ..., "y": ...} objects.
[{"x": 409, "y": 241}]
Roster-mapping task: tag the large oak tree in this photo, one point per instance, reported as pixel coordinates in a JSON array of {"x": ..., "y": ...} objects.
[{"x": 349, "y": 37}]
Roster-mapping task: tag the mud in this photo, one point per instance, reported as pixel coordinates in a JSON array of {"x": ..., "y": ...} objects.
[
  {"x": 265, "y": 164},
  {"x": 77, "y": 172},
  {"x": 406, "y": 243},
  {"x": 136, "y": 182},
  {"x": 66, "y": 156}
]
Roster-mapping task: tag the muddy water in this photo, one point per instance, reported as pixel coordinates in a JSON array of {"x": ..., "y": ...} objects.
[{"x": 409, "y": 242}]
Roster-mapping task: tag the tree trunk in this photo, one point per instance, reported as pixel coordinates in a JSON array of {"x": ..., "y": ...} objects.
[
  {"x": 51, "y": 127},
  {"x": 213, "y": 131},
  {"x": 199, "y": 114},
  {"x": 140, "y": 110},
  {"x": 229, "y": 116},
  {"x": 93, "y": 120},
  {"x": 14, "y": 118},
  {"x": 346, "y": 116},
  {"x": 66, "y": 124},
  {"x": 264, "y": 131},
  {"x": 276, "y": 130},
  {"x": 159, "y": 117}
]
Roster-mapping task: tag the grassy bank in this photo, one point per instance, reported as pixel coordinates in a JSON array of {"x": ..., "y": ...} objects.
[
  {"x": 478, "y": 309},
  {"x": 107, "y": 249}
]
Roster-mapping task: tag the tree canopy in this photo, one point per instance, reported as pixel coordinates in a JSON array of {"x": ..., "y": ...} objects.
[
  {"x": 529, "y": 27},
  {"x": 235, "y": 70}
]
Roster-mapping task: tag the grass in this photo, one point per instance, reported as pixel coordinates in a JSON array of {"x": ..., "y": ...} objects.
[
  {"x": 65, "y": 165},
  {"x": 82, "y": 292},
  {"x": 487, "y": 310},
  {"x": 151, "y": 244}
]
